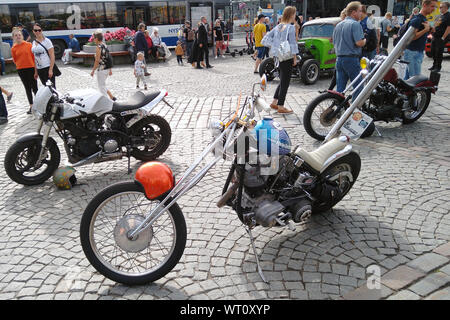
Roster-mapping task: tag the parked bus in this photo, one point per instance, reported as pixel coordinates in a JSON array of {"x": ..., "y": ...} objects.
[{"x": 83, "y": 17}]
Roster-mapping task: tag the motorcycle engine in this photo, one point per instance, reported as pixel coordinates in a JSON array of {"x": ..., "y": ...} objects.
[{"x": 385, "y": 102}]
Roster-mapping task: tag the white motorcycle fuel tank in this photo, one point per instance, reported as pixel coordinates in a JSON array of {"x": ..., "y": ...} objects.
[{"x": 88, "y": 101}]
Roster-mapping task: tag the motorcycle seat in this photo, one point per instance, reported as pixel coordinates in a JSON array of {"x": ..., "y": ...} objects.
[
  {"x": 316, "y": 159},
  {"x": 413, "y": 81},
  {"x": 136, "y": 101}
]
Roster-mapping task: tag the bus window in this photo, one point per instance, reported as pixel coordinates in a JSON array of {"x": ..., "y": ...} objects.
[
  {"x": 177, "y": 12},
  {"x": 158, "y": 13},
  {"x": 5, "y": 19},
  {"x": 112, "y": 16},
  {"x": 53, "y": 16},
  {"x": 92, "y": 15}
]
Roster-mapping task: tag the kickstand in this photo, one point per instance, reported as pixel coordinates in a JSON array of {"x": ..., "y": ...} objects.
[
  {"x": 378, "y": 131},
  {"x": 129, "y": 160},
  {"x": 256, "y": 255}
]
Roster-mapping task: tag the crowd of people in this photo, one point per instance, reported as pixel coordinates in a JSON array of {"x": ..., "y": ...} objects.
[{"x": 354, "y": 37}]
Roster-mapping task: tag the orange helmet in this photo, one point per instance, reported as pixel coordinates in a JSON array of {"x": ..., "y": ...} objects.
[{"x": 156, "y": 178}]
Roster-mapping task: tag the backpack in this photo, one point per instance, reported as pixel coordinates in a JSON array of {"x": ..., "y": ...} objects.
[
  {"x": 190, "y": 35},
  {"x": 371, "y": 40},
  {"x": 401, "y": 32},
  {"x": 370, "y": 35},
  {"x": 108, "y": 60}
]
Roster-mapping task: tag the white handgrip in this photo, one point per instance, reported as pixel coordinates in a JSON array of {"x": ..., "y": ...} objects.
[{"x": 262, "y": 104}]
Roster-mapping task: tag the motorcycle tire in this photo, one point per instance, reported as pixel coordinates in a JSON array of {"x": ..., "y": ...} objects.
[
  {"x": 28, "y": 151},
  {"x": 119, "y": 258},
  {"x": 329, "y": 99},
  {"x": 425, "y": 98},
  {"x": 310, "y": 71},
  {"x": 165, "y": 136},
  {"x": 349, "y": 163},
  {"x": 267, "y": 67}
]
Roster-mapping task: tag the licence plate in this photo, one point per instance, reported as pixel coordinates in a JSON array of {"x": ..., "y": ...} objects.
[{"x": 355, "y": 126}]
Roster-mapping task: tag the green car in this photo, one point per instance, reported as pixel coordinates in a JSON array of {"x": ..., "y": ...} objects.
[{"x": 316, "y": 52}]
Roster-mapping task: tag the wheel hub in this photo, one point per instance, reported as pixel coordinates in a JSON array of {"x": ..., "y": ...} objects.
[
  {"x": 324, "y": 120},
  {"x": 122, "y": 230}
]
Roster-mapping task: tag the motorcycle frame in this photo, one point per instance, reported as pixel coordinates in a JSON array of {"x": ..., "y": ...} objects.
[{"x": 375, "y": 79}]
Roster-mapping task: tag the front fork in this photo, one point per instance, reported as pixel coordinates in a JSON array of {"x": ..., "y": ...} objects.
[{"x": 46, "y": 127}]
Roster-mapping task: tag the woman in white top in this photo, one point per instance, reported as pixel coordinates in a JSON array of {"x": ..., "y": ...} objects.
[
  {"x": 156, "y": 40},
  {"x": 44, "y": 57}
]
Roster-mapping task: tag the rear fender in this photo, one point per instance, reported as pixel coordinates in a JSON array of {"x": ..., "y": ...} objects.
[
  {"x": 427, "y": 85},
  {"x": 144, "y": 111},
  {"x": 343, "y": 152}
]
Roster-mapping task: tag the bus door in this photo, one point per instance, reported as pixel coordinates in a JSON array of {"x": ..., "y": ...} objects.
[{"x": 132, "y": 16}]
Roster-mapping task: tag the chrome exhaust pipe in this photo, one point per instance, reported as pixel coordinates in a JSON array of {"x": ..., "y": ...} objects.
[{"x": 99, "y": 157}]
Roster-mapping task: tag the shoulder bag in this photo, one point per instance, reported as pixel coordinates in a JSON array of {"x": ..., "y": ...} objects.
[
  {"x": 56, "y": 71},
  {"x": 284, "y": 51}
]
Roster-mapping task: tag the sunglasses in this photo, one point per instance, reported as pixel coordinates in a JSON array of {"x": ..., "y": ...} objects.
[{"x": 37, "y": 30}]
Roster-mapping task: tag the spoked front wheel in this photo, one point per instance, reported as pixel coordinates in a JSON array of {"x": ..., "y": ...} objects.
[
  {"x": 320, "y": 115},
  {"x": 107, "y": 223}
]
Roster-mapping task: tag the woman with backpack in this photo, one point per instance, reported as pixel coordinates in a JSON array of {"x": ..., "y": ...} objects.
[{"x": 103, "y": 65}]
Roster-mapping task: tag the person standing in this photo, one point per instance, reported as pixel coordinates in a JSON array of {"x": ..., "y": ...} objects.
[
  {"x": 218, "y": 37},
  {"x": 442, "y": 30},
  {"x": 413, "y": 53},
  {"x": 386, "y": 27},
  {"x": 102, "y": 65},
  {"x": 179, "y": 52},
  {"x": 140, "y": 43},
  {"x": 189, "y": 36},
  {"x": 370, "y": 49},
  {"x": 259, "y": 31},
  {"x": 139, "y": 70},
  {"x": 348, "y": 39},
  {"x": 203, "y": 43},
  {"x": 44, "y": 56},
  {"x": 281, "y": 33},
  {"x": 24, "y": 60}
]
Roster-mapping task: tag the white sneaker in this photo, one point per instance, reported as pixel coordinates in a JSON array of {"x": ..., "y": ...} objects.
[
  {"x": 223, "y": 56},
  {"x": 215, "y": 57}
]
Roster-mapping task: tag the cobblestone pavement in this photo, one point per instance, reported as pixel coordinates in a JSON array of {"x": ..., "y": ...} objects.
[{"x": 395, "y": 217}]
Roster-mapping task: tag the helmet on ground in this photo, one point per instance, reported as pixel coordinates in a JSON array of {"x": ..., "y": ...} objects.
[
  {"x": 64, "y": 178},
  {"x": 156, "y": 178}
]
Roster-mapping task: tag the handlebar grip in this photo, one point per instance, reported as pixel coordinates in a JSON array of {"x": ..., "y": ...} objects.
[{"x": 262, "y": 103}]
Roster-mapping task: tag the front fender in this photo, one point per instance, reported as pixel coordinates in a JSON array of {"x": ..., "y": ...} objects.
[{"x": 30, "y": 136}]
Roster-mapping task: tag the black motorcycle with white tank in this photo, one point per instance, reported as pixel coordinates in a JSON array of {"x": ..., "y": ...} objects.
[
  {"x": 135, "y": 232},
  {"x": 93, "y": 129}
]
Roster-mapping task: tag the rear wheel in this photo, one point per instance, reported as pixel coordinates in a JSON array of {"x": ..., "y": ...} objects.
[
  {"x": 267, "y": 67},
  {"x": 317, "y": 120},
  {"x": 155, "y": 134},
  {"x": 343, "y": 173},
  {"x": 418, "y": 105},
  {"x": 104, "y": 233}
]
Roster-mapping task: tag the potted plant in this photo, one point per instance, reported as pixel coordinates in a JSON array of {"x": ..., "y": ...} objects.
[{"x": 116, "y": 41}]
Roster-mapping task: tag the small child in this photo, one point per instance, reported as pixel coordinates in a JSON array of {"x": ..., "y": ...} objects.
[
  {"x": 179, "y": 52},
  {"x": 139, "y": 70}
]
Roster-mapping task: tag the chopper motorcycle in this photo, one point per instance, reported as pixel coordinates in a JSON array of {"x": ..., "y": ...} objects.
[
  {"x": 393, "y": 99},
  {"x": 93, "y": 128},
  {"x": 135, "y": 232}
]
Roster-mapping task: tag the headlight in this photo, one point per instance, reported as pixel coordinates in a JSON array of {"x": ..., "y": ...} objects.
[
  {"x": 364, "y": 62},
  {"x": 216, "y": 127}
]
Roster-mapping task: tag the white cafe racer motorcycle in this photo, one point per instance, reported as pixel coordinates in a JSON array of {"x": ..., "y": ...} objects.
[{"x": 93, "y": 129}]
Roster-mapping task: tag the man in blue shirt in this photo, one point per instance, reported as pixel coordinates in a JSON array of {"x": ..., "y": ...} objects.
[
  {"x": 348, "y": 39},
  {"x": 74, "y": 44},
  {"x": 414, "y": 52}
]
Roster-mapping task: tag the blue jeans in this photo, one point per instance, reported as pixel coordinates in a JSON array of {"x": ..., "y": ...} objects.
[
  {"x": 415, "y": 59},
  {"x": 3, "y": 111},
  {"x": 347, "y": 68}
]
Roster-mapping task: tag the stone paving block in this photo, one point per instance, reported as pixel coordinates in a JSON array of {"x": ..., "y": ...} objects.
[
  {"x": 364, "y": 293},
  {"x": 400, "y": 277},
  {"x": 428, "y": 262},
  {"x": 443, "y": 249},
  {"x": 430, "y": 283},
  {"x": 443, "y": 294},
  {"x": 404, "y": 295}
]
